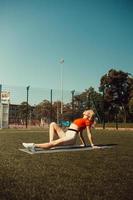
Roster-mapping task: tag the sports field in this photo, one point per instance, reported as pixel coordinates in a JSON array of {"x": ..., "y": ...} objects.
[{"x": 105, "y": 174}]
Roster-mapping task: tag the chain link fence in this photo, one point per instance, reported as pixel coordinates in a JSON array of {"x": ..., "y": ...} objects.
[
  {"x": 30, "y": 106},
  {"x": 36, "y": 107}
]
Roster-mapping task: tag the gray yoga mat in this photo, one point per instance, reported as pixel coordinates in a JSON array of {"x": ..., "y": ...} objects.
[{"x": 65, "y": 149}]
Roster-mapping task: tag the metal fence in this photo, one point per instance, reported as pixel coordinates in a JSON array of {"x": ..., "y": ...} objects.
[
  {"x": 14, "y": 96},
  {"x": 18, "y": 94}
]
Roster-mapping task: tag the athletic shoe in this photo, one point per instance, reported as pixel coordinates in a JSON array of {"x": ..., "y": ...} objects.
[
  {"x": 29, "y": 146},
  {"x": 96, "y": 147}
]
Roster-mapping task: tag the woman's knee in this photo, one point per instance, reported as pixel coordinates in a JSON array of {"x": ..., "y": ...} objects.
[{"x": 53, "y": 124}]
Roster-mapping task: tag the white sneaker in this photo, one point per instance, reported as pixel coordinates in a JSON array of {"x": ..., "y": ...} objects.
[
  {"x": 29, "y": 146},
  {"x": 96, "y": 147}
]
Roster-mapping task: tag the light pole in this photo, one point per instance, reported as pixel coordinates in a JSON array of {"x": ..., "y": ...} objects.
[
  {"x": 61, "y": 84},
  {"x": 27, "y": 89}
]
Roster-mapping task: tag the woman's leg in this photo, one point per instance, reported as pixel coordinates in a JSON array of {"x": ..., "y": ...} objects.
[
  {"x": 55, "y": 130},
  {"x": 51, "y": 144},
  {"x": 69, "y": 139}
]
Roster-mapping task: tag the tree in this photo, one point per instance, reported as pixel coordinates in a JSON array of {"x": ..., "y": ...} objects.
[
  {"x": 116, "y": 87},
  {"x": 42, "y": 110},
  {"x": 22, "y": 110},
  {"x": 89, "y": 99},
  {"x": 130, "y": 103}
]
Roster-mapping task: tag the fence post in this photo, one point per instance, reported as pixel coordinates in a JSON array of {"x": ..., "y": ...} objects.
[
  {"x": 27, "y": 89},
  {"x": 51, "y": 101}
]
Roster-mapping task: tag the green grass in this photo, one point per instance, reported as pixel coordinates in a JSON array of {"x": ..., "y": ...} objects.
[{"x": 89, "y": 175}]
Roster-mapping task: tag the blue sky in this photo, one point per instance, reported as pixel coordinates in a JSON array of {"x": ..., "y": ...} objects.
[{"x": 92, "y": 36}]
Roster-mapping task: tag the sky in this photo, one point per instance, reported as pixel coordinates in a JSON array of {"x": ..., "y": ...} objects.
[{"x": 92, "y": 36}]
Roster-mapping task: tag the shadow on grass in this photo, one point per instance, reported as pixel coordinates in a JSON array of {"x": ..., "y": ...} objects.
[{"x": 108, "y": 145}]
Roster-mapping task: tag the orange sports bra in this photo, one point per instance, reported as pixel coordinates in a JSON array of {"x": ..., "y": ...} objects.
[{"x": 82, "y": 123}]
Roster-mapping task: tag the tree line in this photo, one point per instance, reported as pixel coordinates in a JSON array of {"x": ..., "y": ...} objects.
[{"x": 113, "y": 102}]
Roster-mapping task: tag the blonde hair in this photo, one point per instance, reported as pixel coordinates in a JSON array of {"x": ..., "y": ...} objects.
[{"x": 89, "y": 113}]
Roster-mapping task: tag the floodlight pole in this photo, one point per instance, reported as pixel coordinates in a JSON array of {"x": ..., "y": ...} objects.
[{"x": 27, "y": 89}]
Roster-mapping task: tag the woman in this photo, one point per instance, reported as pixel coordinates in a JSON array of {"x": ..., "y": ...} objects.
[{"x": 68, "y": 137}]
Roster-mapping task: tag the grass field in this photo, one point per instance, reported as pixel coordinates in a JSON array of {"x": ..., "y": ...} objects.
[{"x": 105, "y": 174}]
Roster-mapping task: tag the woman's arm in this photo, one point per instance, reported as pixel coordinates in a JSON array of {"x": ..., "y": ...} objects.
[
  {"x": 89, "y": 135},
  {"x": 82, "y": 138}
]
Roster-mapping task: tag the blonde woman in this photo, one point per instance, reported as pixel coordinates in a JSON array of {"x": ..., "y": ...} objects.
[{"x": 68, "y": 137}]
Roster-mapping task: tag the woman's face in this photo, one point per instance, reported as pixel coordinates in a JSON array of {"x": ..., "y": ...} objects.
[{"x": 86, "y": 114}]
